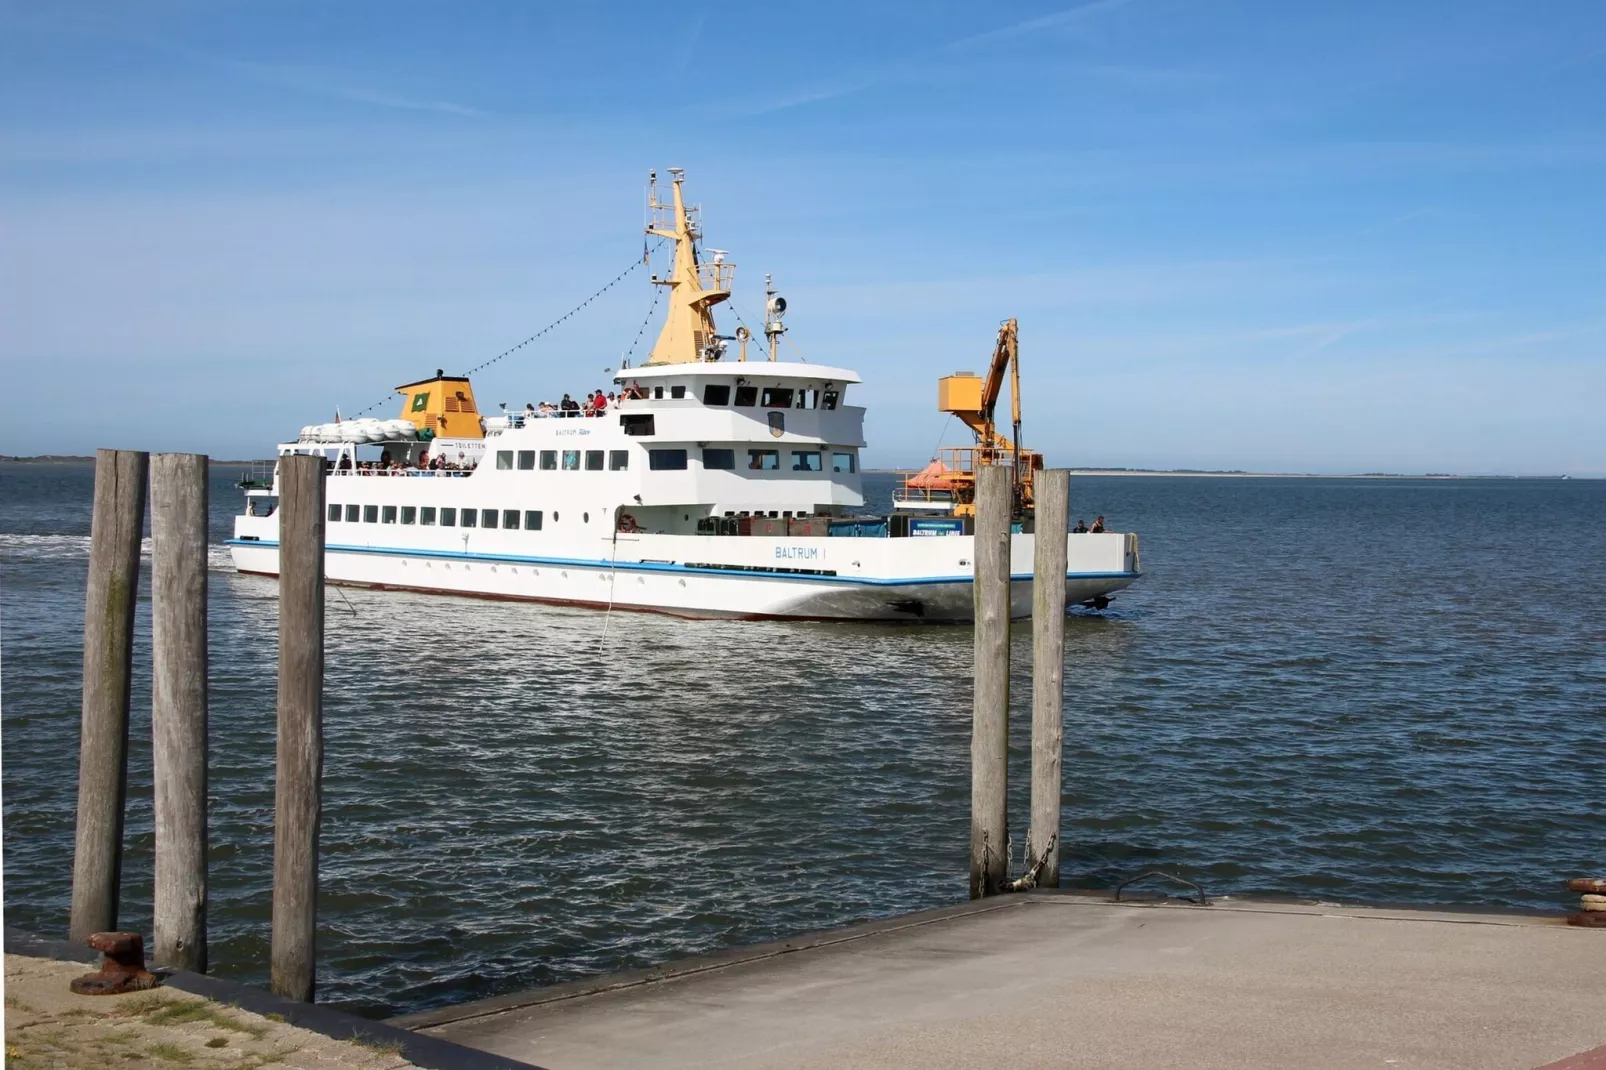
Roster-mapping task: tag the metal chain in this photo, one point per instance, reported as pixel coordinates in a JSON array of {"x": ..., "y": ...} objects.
[{"x": 554, "y": 324}]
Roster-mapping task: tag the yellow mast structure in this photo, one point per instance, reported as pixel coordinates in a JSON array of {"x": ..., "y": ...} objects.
[
  {"x": 694, "y": 288},
  {"x": 974, "y": 400}
]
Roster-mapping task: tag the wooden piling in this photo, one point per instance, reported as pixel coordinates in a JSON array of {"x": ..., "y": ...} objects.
[
  {"x": 115, "y": 532},
  {"x": 989, "y": 740},
  {"x": 298, "y": 782},
  {"x": 1052, "y": 494},
  {"x": 179, "y": 501}
]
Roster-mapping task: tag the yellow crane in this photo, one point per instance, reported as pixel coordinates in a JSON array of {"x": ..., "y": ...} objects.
[{"x": 974, "y": 400}]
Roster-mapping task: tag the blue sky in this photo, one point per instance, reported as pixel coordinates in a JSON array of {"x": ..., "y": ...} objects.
[{"x": 1279, "y": 237}]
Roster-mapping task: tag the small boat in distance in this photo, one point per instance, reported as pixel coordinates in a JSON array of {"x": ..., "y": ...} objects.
[{"x": 708, "y": 485}]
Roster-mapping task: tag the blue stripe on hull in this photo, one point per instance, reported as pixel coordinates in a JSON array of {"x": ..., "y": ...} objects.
[{"x": 636, "y": 566}]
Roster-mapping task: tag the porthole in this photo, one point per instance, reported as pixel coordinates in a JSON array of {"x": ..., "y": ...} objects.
[
  {"x": 554, "y": 517},
  {"x": 585, "y": 518}
]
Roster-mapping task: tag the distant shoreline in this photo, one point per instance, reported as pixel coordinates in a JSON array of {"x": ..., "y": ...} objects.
[{"x": 1183, "y": 473}]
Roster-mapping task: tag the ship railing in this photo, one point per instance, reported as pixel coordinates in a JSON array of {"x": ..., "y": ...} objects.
[
  {"x": 716, "y": 275},
  {"x": 394, "y": 473},
  {"x": 922, "y": 495}
]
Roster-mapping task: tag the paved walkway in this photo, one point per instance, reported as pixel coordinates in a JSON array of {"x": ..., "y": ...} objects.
[
  {"x": 50, "y": 1028},
  {"x": 1063, "y": 980}
]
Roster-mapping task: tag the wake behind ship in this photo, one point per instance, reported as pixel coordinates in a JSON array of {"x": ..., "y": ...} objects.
[{"x": 708, "y": 486}]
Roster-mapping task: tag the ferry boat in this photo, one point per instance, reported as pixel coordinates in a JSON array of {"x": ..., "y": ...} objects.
[{"x": 712, "y": 485}]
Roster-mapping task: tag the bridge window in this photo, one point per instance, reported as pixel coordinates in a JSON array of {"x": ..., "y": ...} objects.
[
  {"x": 351, "y": 513},
  {"x": 510, "y": 519},
  {"x": 806, "y": 461},
  {"x": 747, "y": 396},
  {"x": 639, "y": 423},
  {"x": 658, "y": 392},
  {"x": 719, "y": 460},
  {"x": 844, "y": 462},
  {"x": 666, "y": 460},
  {"x": 549, "y": 460},
  {"x": 764, "y": 460},
  {"x": 618, "y": 460},
  {"x": 808, "y": 399},
  {"x": 717, "y": 394},
  {"x": 334, "y": 513},
  {"x": 593, "y": 460},
  {"x": 409, "y": 514},
  {"x": 532, "y": 520},
  {"x": 387, "y": 515},
  {"x": 526, "y": 460},
  {"x": 571, "y": 460},
  {"x": 449, "y": 518},
  {"x": 504, "y": 460},
  {"x": 426, "y": 516},
  {"x": 677, "y": 391},
  {"x": 828, "y": 399},
  {"x": 777, "y": 397}
]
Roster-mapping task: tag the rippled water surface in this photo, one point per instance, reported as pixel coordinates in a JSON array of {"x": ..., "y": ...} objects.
[{"x": 1367, "y": 689}]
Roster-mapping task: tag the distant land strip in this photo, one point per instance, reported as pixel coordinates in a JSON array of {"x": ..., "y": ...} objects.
[{"x": 56, "y": 458}]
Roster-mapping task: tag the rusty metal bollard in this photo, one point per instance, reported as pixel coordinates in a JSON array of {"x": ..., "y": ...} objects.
[{"x": 121, "y": 970}]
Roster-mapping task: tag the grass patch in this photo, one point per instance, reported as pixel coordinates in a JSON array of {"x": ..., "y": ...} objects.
[
  {"x": 374, "y": 1044},
  {"x": 17, "y": 1005},
  {"x": 275, "y": 1017},
  {"x": 157, "y": 1011},
  {"x": 171, "y": 1052}
]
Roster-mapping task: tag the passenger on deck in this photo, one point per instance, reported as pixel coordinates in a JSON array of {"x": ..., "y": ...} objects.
[
  {"x": 1080, "y": 528},
  {"x": 547, "y": 409},
  {"x": 1098, "y": 525},
  {"x": 529, "y": 409},
  {"x": 568, "y": 406},
  {"x": 345, "y": 462},
  {"x": 599, "y": 403}
]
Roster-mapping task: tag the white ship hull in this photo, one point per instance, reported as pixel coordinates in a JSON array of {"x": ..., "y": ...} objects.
[{"x": 827, "y": 579}]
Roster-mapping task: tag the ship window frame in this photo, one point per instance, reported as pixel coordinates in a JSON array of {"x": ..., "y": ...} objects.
[
  {"x": 387, "y": 514},
  {"x": 448, "y": 516},
  {"x": 659, "y": 460},
  {"x": 510, "y": 519},
  {"x": 571, "y": 456},
  {"x": 618, "y": 460},
  {"x": 334, "y": 513},
  {"x": 409, "y": 514},
  {"x": 721, "y": 391},
  {"x": 600, "y": 456},
  {"x": 353, "y": 514},
  {"x": 526, "y": 460},
  {"x": 677, "y": 392},
  {"x": 370, "y": 514},
  {"x": 772, "y": 397},
  {"x": 658, "y": 393},
  {"x": 638, "y": 424},
  {"x": 746, "y": 397},
  {"x": 852, "y": 459},
  {"x": 468, "y": 518},
  {"x": 532, "y": 520},
  {"x": 762, "y": 455},
  {"x": 829, "y": 399},
  {"x": 488, "y": 519},
  {"x": 549, "y": 460},
  {"x": 504, "y": 460},
  {"x": 426, "y": 516},
  {"x": 729, "y": 453},
  {"x": 803, "y": 455}
]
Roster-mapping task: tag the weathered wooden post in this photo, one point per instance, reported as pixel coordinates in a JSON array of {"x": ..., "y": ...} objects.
[
  {"x": 1053, "y": 492},
  {"x": 298, "y": 782},
  {"x": 178, "y": 705},
  {"x": 115, "y": 532},
  {"x": 989, "y": 740}
]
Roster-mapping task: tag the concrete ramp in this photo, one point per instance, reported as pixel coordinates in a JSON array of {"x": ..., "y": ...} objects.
[{"x": 1051, "y": 979}]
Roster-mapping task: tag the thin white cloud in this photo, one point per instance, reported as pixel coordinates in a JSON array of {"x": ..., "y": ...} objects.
[
  {"x": 316, "y": 83},
  {"x": 1053, "y": 21}
]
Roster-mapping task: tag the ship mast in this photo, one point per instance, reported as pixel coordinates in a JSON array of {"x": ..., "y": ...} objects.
[{"x": 688, "y": 333}]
